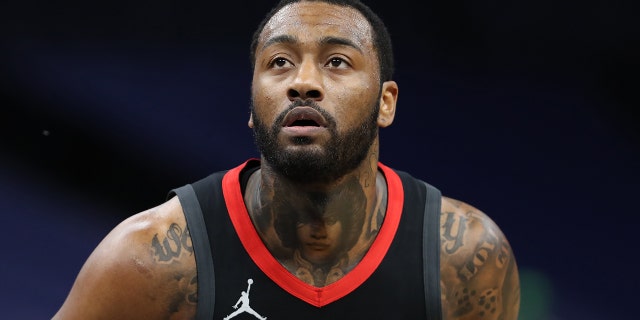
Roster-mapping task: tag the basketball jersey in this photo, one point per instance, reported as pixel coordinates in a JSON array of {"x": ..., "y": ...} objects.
[{"x": 238, "y": 278}]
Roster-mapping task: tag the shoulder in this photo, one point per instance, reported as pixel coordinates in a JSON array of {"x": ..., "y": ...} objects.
[
  {"x": 479, "y": 276},
  {"x": 460, "y": 219},
  {"x": 144, "y": 268}
]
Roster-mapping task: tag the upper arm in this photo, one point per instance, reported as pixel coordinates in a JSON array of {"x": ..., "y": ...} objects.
[
  {"x": 479, "y": 275},
  {"x": 143, "y": 269}
]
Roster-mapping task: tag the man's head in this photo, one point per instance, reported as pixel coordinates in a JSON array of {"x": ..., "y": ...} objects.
[
  {"x": 321, "y": 87},
  {"x": 381, "y": 38}
]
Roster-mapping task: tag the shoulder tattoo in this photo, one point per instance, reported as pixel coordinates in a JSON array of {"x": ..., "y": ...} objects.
[
  {"x": 479, "y": 274},
  {"x": 175, "y": 242}
]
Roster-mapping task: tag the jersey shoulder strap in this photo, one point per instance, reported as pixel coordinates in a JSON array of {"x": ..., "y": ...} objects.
[
  {"x": 201, "y": 249},
  {"x": 431, "y": 252},
  {"x": 430, "y": 200}
]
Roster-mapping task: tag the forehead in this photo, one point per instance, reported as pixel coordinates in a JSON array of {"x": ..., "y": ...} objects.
[{"x": 312, "y": 21}]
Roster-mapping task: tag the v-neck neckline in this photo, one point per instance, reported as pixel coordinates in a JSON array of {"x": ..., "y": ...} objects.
[{"x": 316, "y": 296}]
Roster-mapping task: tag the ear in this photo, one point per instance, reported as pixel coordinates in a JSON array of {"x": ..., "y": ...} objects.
[
  {"x": 250, "y": 120},
  {"x": 388, "y": 100}
]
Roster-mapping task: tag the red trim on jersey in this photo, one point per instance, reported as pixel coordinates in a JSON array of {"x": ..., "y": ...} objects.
[{"x": 280, "y": 275}]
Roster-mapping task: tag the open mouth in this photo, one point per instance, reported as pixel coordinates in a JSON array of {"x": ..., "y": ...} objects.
[
  {"x": 304, "y": 117},
  {"x": 304, "y": 123}
]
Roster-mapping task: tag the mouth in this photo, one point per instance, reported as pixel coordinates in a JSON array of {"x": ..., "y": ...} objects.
[
  {"x": 304, "y": 117},
  {"x": 316, "y": 246}
]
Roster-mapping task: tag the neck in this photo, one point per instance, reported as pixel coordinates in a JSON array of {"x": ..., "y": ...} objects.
[{"x": 319, "y": 231}]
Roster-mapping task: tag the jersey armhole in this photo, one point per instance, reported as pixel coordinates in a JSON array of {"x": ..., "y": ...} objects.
[
  {"x": 431, "y": 252},
  {"x": 201, "y": 249}
]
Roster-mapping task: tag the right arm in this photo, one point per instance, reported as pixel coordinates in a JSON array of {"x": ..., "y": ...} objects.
[{"x": 143, "y": 269}]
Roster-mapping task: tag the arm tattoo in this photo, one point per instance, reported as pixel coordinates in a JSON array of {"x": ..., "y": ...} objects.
[
  {"x": 485, "y": 249},
  {"x": 187, "y": 292},
  {"x": 479, "y": 276},
  {"x": 453, "y": 232},
  {"x": 175, "y": 241},
  {"x": 180, "y": 277}
]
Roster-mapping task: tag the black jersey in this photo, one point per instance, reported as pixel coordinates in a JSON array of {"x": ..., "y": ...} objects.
[{"x": 238, "y": 278}]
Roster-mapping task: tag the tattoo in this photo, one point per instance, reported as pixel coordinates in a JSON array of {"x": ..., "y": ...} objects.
[
  {"x": 186, "y": 296},
  {"x": 192, "y": 296},
  {"x": 484, "y": 249},
  {"x": 258, "y": 195},
  {"x": 175, "y": 241},
  {"x": 484, "y": 303},
  {"x": 320, "y": 228},
  {"x": 479, "y": 273},
  {"x": 370, "y": 176},
  {"x": 374, "y": 221},
  {"x": 454, "y": 232},
  {"x": 319, "y": 235},
  {"x": 178, "y": 274}
]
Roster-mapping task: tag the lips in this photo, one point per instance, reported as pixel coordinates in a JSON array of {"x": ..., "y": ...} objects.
[
  {"x": 304, "y": 117},
  {"x": 318, "y": 246}
]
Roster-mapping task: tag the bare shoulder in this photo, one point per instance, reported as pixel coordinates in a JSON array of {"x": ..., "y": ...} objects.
[
  {"x": 143, "y": 269},
  {"x": 479, "y": 275}
]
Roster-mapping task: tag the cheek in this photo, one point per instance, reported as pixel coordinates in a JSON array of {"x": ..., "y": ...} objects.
[
  {"x": 265, "y": 102},
  {"x": 353, "y": 104},
  {"x": 334, "y": 231},
  {"x": 263, "y": 108},
  {"x": 302, "y": 231}
]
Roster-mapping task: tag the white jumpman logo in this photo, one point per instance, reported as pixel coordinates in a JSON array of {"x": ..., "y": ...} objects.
[{"x": 244, "y": 305}]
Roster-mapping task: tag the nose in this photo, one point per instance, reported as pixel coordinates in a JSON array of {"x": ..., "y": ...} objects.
[
  {"x": 307, "y": 83},
  {"x": 318, "y": 230}
]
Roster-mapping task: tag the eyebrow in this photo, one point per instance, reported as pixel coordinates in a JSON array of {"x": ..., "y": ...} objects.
[
  {"x": 340, "y": 41},
  {"x": 326, "y": 40},
  {"x": 280, "y": 39}
]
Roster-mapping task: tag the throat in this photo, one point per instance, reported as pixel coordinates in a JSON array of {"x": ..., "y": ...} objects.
[{"x": 317, "y": 236}]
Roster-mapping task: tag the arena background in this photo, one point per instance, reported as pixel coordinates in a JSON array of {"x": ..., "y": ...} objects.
[{"x": 523, "y": 109}]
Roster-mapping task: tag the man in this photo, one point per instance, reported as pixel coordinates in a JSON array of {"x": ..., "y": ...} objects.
[{"x": 317, "y": 225}]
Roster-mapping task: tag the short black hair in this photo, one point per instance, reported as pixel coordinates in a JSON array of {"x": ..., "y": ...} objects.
[{"x": 381, "y": 38}]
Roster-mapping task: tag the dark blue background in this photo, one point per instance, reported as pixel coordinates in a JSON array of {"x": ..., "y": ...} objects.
[{"x": 526, "y": 110}]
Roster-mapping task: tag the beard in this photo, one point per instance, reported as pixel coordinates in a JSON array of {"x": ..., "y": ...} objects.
[{"x": 343, "y": 153}]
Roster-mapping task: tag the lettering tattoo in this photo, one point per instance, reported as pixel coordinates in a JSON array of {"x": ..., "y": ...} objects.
[
  {"x": 453, "y": 232},
  {"x": 478, "y": 259},
  {"x": 175, "y": 241},
  {"x": 178, "y": 274},
  {"x": 478, "y": 270}
]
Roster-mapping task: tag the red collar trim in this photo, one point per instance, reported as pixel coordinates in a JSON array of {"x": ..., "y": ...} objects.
[{"x": 273, "y": 269}]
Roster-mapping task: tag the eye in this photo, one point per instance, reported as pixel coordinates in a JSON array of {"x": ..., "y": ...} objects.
[
  {"x": 303, "y": 219},
  {"x": 337, "y": 63},
  {"x": 330, "y": 220},
  {"x": 279, "y": 62}
]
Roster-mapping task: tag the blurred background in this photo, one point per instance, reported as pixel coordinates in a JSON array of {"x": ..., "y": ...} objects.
[{"x": 523, "y": 109}]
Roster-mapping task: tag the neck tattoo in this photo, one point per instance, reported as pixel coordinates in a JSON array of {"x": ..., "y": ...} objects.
[{"x": 318, "y": 236}]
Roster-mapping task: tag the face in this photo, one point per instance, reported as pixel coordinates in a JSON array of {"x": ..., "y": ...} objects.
[
  {"x": 319, "y": 239},
  {"x": 315, "y": 91}
]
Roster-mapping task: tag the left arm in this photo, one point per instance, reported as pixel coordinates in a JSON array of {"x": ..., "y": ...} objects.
[{"x": 479, "y": 275}]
